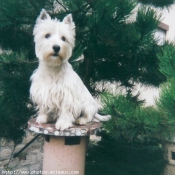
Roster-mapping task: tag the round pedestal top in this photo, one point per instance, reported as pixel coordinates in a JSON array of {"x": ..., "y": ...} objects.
[{"x": 76, "y": 130}]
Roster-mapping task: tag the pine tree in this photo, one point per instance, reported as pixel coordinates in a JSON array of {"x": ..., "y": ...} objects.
[
  {"x": 166, "y": 102},
  {"x": 158, "y": 3},
  {"x": 132, "y": 121},
  {"x": 115, "y": 48},
  {"x": 15, "y": 70}
]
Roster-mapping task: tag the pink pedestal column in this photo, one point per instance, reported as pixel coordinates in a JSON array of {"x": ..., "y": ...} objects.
[
  {"x": 64, "y": 151},
  {"x": 64, "y": 159}
]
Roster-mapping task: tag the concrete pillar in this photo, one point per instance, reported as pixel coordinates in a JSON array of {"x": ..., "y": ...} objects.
[
  {"x": 67, "y": 158},
  {"x": 64, "y": 151}
]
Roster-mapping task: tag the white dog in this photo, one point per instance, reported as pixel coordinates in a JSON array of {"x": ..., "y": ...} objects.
[{"x": 56, "y": 90}]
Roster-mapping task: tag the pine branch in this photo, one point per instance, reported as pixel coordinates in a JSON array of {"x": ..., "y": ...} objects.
[
  {"x": 62, "y": 5},
  {"x": 158, "y": 3},
  {"x": 133, "y": 122}
]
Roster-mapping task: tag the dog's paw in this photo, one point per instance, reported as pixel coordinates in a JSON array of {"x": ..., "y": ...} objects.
[
  {"x": 63, "y": 124},
  {"x": 81, "y": 121},
  {"x": 42, "y": 118}
]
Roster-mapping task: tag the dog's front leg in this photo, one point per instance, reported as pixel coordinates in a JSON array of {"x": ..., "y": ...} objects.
[
  {"x": 64, "y": 121},
  {"x": 42, "y": 118}
]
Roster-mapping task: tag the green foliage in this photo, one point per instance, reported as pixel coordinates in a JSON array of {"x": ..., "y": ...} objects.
[
  {"x": 15, "y": 71},
  {"x": 143, "y": 23},
  {"x": 158, "y": 3},
  {"x": 167, "y": 60},
  {"x": 115, "y": 157},
  {"x": 109, "y": 37},
  {"x": 166, "y": 101},
  {"x": 133, "y": 122},
  {"x": 106, "y": 35},
  {"x": 115, "y": 48}
]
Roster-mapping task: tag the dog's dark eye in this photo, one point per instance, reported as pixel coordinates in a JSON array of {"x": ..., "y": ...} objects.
[
  {"x": 63, "y": 38},
  {"x": 47, "y": 35}
]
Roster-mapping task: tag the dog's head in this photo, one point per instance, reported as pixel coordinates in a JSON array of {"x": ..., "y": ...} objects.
[{"x": 54, "y": 40}]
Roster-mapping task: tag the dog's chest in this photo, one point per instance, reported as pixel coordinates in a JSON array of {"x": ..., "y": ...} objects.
[{"x": 53, "y": 90}]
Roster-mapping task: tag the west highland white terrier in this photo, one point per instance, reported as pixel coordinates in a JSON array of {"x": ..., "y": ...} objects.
[{"x": 56, "y": 90}]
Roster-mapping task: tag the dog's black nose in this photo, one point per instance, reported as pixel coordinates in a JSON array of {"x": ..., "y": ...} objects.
[{"x": 56, "y": 48}]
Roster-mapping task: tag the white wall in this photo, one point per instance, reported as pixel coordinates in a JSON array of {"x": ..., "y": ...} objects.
[{"x": 169, "y": 19}]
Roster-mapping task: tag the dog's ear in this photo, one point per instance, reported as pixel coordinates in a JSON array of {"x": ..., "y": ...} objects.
[
  {"x": 43, "y": 16},
  {"x": 68, "y": 19}
]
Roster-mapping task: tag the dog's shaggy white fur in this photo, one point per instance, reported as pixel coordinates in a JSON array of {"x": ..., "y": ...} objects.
[{"x": 56, "y": 90}]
